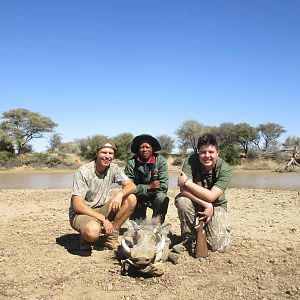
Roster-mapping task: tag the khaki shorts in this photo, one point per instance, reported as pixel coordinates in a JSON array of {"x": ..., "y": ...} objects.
[{"x": 79, "y": 222}]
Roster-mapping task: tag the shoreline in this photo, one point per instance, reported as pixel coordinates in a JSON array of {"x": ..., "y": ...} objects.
[{"x": 235, "y": 169}]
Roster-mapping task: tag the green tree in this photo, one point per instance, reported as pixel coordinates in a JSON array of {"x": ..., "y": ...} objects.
[
  {"x": 6, "y": 143},
  {"x": 55, "y": 142},
  {"x": 270, "y": 132},
  {"x": 69, "y": 147},
  {"x": 292, "y": 142},
  {"x": 87, "y": 146},
  {"x": 23, "y": 125},
  {"x": 230, "y": 154},
  {"x": 167, "y": 144},
  {"x": 245, "y": 135},
  {"x": 123, "y": 144},
  {"x": 188, "y": 134},
  {"x": 225, "y": 134}
]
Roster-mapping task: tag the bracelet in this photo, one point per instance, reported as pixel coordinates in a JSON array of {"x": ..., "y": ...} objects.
[{"x": 185, "y": 181}]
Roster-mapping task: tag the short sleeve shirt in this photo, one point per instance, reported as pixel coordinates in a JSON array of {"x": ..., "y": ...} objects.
[
  {"x": 95, "y": 187},
  {"x": 220, "y": 176}
]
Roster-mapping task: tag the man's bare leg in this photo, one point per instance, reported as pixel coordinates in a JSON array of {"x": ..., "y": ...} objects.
[{"x": 125, "y": 211}]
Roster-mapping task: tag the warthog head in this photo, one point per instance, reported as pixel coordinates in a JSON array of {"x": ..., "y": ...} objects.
[{"x": 145, "y": 245}]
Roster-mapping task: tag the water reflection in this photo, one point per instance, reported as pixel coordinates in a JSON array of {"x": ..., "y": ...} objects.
[{"x": 270, "y": 180}]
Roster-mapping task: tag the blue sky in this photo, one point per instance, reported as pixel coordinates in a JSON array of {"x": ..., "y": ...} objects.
[{"x": 109, "y": 67}]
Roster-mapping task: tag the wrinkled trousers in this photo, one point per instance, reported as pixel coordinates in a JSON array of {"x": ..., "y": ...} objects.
[
  {"x": 217, "y": 233},
  {"x": 158, "y": 202}
]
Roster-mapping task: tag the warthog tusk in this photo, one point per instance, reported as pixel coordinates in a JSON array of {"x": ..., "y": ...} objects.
[
  {"x": 125, "y": 246},
  {"x": 161, "y": 244}
]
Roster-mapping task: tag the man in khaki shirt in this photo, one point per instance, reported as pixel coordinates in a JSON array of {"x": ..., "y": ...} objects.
[{"x": 93, "y": 210}]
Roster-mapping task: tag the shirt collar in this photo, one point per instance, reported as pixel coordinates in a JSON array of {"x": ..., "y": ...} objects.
[{"x": 151, "y": 160}]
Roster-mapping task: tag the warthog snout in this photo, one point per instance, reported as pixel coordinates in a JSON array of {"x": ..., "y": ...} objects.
[
  {"x": 144, "y": 250},
  {"x": 142, "y": 261},
  {"x": 145, "y": 243}
]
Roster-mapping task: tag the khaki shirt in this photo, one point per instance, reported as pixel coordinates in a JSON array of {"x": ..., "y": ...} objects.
[{"x": 95, "y": 187}]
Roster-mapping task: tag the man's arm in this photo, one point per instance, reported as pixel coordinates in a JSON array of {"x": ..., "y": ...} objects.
[
  {"x": 205, "y": 194},
  {"x": 208, "y": 209},
  {"x": 128, "y": 188},
  {"x": 161, "y": 182}
]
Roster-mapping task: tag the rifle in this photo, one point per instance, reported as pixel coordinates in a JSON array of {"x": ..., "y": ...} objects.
[{"x": 201, "y": 250}]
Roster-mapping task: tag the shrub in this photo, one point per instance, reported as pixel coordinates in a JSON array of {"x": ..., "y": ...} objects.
[
  {"x": 4, "y": 157},
  {"x": 230, "y": 155},
  {"x": 252, "y": 154}
]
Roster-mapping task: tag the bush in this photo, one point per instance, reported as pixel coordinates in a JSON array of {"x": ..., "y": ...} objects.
[
  {"x": 230, "y": 155},
  {"x": 39, "y": 160},
  {"x": 4, "y": 157},
  {"x": 252, "y": 154}
]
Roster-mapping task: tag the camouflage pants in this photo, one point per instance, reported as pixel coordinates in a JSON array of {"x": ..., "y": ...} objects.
[{"x": 217, "y": 233}]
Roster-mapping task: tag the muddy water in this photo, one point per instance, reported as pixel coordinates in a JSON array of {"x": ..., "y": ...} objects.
[
  {"x": 35, "y": 180},
  {"x": 259, "y": 180}
]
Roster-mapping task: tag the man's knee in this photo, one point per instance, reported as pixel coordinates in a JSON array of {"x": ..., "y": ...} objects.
[
  {"x": 161, "y": 202},
  {"x": 131, "y": 201},
  {"x": 182, "y": 203},
  {"x": 161, "y": 197},
  {"x": 219, "y": 243},
  {"x": 218, "y": 235},
  {"x": 91, "y": 231}
]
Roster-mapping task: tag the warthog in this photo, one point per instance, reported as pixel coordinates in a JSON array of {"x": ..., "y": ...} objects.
[{"x": 145, "y": 247}]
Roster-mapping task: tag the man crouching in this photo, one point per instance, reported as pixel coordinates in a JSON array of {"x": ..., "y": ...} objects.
[{"x": 92, "y": 210}]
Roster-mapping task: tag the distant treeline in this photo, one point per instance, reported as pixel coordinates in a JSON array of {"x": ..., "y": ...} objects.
[{"x": 20, "y": 126}]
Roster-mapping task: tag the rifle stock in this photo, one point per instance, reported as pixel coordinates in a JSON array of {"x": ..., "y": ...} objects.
[{"x": 201, "y": 250}]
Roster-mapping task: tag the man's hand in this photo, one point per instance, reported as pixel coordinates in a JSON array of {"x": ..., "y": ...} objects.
[
  {"x": 154, "y": 185},
  {"x": 116, "y": 202},
  {"x": 108, "y": 227},
  {"x": 182, "y": 179},
  {"x": 207, "y": 213}
]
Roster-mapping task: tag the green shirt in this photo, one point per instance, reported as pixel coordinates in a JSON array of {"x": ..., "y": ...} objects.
[
  {"x": 143, "y": 173},
  {"x": 220, "y": 176}
]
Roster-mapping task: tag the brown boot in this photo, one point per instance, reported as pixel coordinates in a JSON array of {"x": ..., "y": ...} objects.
[
  {"x": 185, "y": 245},
  {"x": 111, "y": 241}
]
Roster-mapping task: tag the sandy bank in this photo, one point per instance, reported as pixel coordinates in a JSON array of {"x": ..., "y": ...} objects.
[{"x": 38, "y": 260}]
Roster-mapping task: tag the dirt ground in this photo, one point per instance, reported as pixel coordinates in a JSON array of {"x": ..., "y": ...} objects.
[{"x": 39, "y": 257}]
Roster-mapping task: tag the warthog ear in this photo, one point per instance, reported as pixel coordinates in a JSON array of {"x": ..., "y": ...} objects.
[{"x": 165, "y": 229}]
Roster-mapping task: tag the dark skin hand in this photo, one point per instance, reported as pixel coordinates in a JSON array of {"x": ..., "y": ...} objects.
[{"x": 154, "y": 185}]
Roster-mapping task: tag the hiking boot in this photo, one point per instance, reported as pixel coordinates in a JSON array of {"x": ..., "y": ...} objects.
[
  {"x": 111, "y": 241},
  {"x": 185, "y": 245},
  {"x": 84, "y": 245},
  {"x": 179, "y": 248}
]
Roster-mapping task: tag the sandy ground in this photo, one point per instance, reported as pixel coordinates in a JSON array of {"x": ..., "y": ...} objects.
[{"x": 39, "y": 257}]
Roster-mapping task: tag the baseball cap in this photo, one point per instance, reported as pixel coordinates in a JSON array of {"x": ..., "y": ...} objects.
[{"x": 106, "y": 144}]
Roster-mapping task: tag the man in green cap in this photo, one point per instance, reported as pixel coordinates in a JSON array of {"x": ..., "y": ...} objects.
[{"x": 149, "y": 171}]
